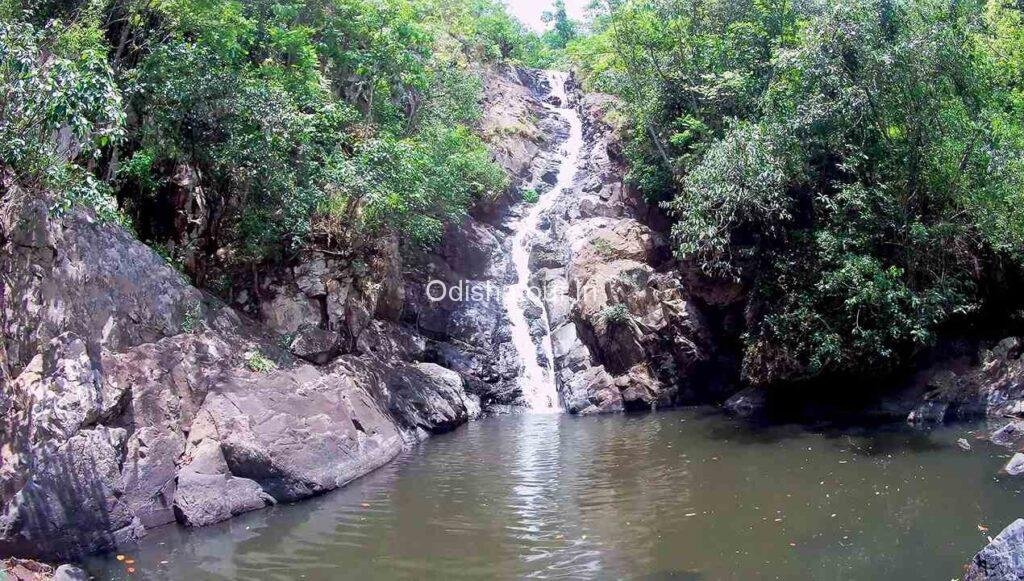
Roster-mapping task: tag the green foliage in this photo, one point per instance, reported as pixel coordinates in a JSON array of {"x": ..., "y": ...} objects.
[
  {"x": 603, "y": 246},
  {"x": 563, "y": 29},
  {"x": 269, "y": 126},
  {"x": 615, "y": 314},
  {"x": 193, "y": 317},
  {"x": 854, "y": 164},
  {"x": 258, "y": 362},
  {"x": 530, "y": 196},
  {"x": 740, "y": 185},
  {"x": 59, "y": 108}
]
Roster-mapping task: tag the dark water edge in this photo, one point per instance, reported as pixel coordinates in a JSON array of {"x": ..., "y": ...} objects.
[{"x": 684, "y": 494}]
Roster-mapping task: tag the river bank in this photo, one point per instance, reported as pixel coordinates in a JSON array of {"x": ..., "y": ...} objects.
[{"x": 686, "y": 492}]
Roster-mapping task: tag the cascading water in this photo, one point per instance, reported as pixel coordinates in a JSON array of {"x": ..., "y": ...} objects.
[{"x": 538, "y": 382}]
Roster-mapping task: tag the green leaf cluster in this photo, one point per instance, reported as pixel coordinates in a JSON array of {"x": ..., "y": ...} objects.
[
  {"x": 857, "y": 166},
  {"x": 237, "y": 132}
]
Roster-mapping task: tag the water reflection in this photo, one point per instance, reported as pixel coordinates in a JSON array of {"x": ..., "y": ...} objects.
[{"x": 670, "y": 495}]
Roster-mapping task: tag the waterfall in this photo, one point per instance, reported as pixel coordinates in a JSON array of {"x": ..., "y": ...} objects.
[{"x": 537, "y": 381}]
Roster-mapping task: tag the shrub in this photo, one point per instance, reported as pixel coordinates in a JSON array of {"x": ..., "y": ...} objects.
[{"x": 258, "y": 363}]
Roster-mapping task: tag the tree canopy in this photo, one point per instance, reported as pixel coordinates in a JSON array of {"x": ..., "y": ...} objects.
[
  {"x": 858, "y": 166},
  {"x": 283, "y": 124}
]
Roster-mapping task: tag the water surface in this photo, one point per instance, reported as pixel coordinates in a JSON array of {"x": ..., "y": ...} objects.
[{"x": 685, "y": 494}]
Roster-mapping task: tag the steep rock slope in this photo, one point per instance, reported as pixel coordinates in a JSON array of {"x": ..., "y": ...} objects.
[{"x": 141, "y": 388}]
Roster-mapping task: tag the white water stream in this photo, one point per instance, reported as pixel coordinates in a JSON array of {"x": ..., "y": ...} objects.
[{"x": 537, "y": 381}]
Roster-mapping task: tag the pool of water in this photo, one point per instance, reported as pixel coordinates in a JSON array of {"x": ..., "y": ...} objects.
[{"x": 685, "y": 494}]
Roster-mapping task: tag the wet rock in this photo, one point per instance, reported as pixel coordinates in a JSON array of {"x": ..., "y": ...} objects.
[
  {"x": 746, "y": 403},
  {"x": 1015, "y": 467},
  {"x": 316, "y": 345},
  {"x": 70, "y": 573},
  {"x": 207, "y": 492},
  {"x": 1011, "y": 434},
  {"x": 546, "y": 256},
  {"x": 929, "y": 412},
  {"x": 1002, "y": 559},
  {"x": 429, "y": 399}
]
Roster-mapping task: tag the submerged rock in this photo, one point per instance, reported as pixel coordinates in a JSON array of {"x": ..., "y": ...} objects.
[
  {"x": 930, "y": 412},
  {"x": 747, "y": 403},
  {"x": 1002, "y": 559}
]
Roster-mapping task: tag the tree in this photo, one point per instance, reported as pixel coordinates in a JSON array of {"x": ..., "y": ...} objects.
[
  {"x": 856, "y": 165},
  {"x": 563, "y": 29}
]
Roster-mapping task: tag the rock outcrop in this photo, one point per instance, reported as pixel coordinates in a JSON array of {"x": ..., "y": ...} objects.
[
  {"x": 988, "y": 386},
  {"x": 992, "y": 387},
  {"x": 129, "y": 418},
  {"x": 625, "y": 334},
  {"x": 1002, "y": 559}
]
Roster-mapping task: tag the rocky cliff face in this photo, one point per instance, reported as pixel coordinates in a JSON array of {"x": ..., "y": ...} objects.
[
  {"x": 132, "y": 399},
  {"x": 135, "y": 400},
  {"x": 624, "y": 331}
]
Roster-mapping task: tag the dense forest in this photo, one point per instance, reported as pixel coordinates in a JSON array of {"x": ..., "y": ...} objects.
[
  {"x": 856, "y": 165},
  {"x": 272, "y": 125}
]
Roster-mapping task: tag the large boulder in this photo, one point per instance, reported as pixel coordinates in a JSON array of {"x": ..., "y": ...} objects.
[
  {"x": 72, "y": 502},
  {"x": 207, "y": 492},
  {"x": 429, "y": 399},
  {"x": 298, "y": 432},
  {"x": 1002, "y": 559}
]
